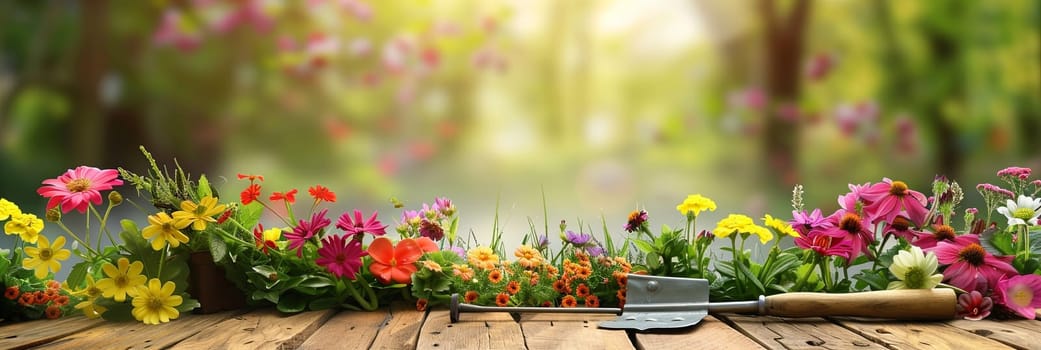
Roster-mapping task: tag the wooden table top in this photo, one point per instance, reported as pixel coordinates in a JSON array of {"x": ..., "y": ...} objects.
[{"x": 402, "y": 327}]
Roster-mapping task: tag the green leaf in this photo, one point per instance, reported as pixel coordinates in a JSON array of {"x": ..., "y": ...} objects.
[
  {"x": 316, "y": 282},
  {"x": 249, "y": 215},
  {"x": 644, "y": 246},
  {"x": 204, "y": 189},
  {"x": 187, "y": 303},
  {"x": 877, "y": 280},
  {"x": 218, "y": 248},
  {"x": 323, "y": 303},
  {"x": 77, "y": 275},
  {"x": 117, "y": 312},
  {"x": 292, "y": 303},
  {"x": 997, "y": 243},
  {"x": 751, "y": 277}
]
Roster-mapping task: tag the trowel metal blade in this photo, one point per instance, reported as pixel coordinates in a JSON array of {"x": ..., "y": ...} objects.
[{"x": 656, "y": 302}]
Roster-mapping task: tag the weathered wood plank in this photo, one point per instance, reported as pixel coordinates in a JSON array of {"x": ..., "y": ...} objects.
[
  {"x": 28, "y": 334},
  {"x": 799, "y": 333},
  {"x": 918, "y": 335},
  {"x": 571, "y": 331},
  {"x": 362, "y": 327},
  {"x": 710, "y": 333},
  {"x": 262, "y": 329},
  {"x": 137, "y": 335},
  {"x": 402, "y": 329},
  {"x": 1019, "y": 334},
  {"x": 474, "y": 331}
]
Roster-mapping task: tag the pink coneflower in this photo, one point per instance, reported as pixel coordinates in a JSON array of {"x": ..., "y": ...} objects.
[
  {"x": 79, "y": 187},
  {"x": 804, "y": 223},
  {"x": 849, "y": 226},
  {"x": 849, "y": 200},
  {"x": 825, "y": 245},
  {"x": 974, "y": 306},
  {"x": 358, "y": 227},
  {"x": 889, "y": 198},
  {"x": 901, "y": 227},
  {"x": 940, "y": 233},
  {"x": 305, "y": 230},
  {"x": 1021, "y": 294},
  {"x": 342, "y": 257},
  {"x": 967, "y": 260}
]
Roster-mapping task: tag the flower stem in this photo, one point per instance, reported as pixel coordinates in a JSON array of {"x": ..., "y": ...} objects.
[
  {"x": 85, "y": 244},
  {"x": 805, "y": 276}
]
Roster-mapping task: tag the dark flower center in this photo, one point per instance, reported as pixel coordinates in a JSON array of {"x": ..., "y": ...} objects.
[
  {"x": 972, "y": 254},
  {"x": 45, "y": 254},
  {"x": 901, "y": 224},
  {"x": 78, "y": 185},
  {"x": 898, "y": 188},
  {"x": 850, "y": 223},
  {"x": 943, "y": 233}
]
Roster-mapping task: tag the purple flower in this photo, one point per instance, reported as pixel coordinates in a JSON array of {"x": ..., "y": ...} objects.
[
  {"x": 411, "y": 217},
  {"x": 358, "y": 227},
  {"x": 577, "y": 239},
  {"x": 595, "y": 251},
  {"x": 444, "y": 206},
  {"x": 804, "y": 223},
  {"x": 543, "y": 242},
  {"x": 849, "y": 200},
  {"x": 458, "y": 251},
  {"x": 307, "y": 229},
  {"x": 341, "y": 257},
  {"x": 972, "y": 211}
]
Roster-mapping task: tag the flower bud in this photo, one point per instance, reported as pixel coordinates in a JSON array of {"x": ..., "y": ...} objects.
[
  {"x": 563, "y": 226},
  {"x": 53, "y": 214},
  {"x": 115, "y": 198}
]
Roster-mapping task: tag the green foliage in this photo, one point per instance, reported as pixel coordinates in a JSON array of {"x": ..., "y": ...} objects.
[{"x": 167, "y": 190}]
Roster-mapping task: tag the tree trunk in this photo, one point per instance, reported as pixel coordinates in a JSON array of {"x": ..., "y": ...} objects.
[
  {"x": 87, "y": 125},
  {"x": 784, "y": 41}
]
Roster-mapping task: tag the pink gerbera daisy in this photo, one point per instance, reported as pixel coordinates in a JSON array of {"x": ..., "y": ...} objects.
[
  {"x": 79, "y": 187},
  {"x": 358, "y": 227},
  {"x": 849, "y": 226},
  {"x": 1021, "y": 293},
  {"x": 307, "y": 229},
  {"x": 889, "y": 198},
  {"x": 967, "y": 259},
  {"x": 340, "y": 256}
]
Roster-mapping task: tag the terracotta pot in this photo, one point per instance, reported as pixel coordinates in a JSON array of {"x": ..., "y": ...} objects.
[{"x": 207, "y": 284}]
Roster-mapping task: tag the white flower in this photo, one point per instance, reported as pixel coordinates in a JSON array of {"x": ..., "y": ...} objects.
[
  {"x": 914, "y": 270},
  {"x": 1021, "y": 212}
]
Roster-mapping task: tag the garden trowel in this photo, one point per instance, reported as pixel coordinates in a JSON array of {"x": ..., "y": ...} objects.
[{"x": 656, "y": 302}]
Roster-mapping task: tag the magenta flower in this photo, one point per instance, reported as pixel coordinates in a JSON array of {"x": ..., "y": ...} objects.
[
  {"x": 1020, "y": 293},
  {"x": 636, "y": 219},
  {"x": 940, "y": 233},
  {"x": 849, "y": 226},
  {"x": 804, "y": 223},
  {"x": 357, "y": 227},
  {"x": 430, "y": 229},
  {"x": 984, "y": 189},
  {"x": 974, "y": 306},
  {"x": 1014, "y": 171},
  {"x": 340, "y": 256},
  {"x": 445, "y": 206},
  {"x": 305, "y": 230},
  {"x": 825, "y": 245},
  {"x": 79, "y": 187},
  {"x": 967, "y": 260},
  {"x": 849, "y": 200},
  {"x": 889, "y": 198},
  {"x": 901, "y": 227}
]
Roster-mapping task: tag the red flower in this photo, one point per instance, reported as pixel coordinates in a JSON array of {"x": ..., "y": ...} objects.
[
  {"x": 79, "y": 187},
  {"x": 250, "y": 194},
  {"x": 289, "y": 196},
  {"x": 12, "y": 292},
  {"x": 322, "y": 193},
  {"x": 53, "y": 312},
  {"x": 394, "y": 264},
  {"x": 224, "y": 217},
  {"x": 974, "y": 306},
  {"x": 421, "y": 304},
  {"x": 569, "y": 301},
  {"x": 502, "y": 300},
  {"x": 582, "y": 291},
  {"x": 513, "y": 288},
  {"x": 426, "y": 244},
  {"x": 470, "y": 296},
  {"x": 592, "y": 301},
  {"x": 251, "y": 177},
  {"x": 262, "y": 242}
]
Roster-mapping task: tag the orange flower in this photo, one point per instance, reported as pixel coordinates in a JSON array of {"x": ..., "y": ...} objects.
[
  {"x": 560, "y": 286},
  {"x": 502, "y": 299},
  {"x": 620, "y": 295},
  {"x": 394, "y": 264},
  {"x": 463, "y": 271},
  {"x": 427, "y": 244},
  {"x": 53, "y": 312},
  {"x": 592, "y": 301},
  {"x": 288, "y": 196},
  {"x": 40, "y": 298},
  {"x": 569, "y": 301},
  {"x": 534, "y": 279},
  {"x": 61, "y": 300},
  {"x": 421, "y": 304},
  {"x": 528, "y": 257},
  {"x": 431, "y": 265},
  {"x": 52, "y": 284},
  {"x": 624, "y": 264},
  {"x": 12, "y": 292},
  {"x": 583, "y": 272},
  {"x": 322, "y": 193},
  {"x": 26, "y": 299},
  {"x": 495, "y": 276},
  {"x": 622, "y": 278},
  {"x": 513, "y": 288},
  {"x": 470, "y": 296},
  {"x": 552, "y": 270},
  {"x": 582, "y": 291},
  {"x": 547, "y": 303},
  {"x": 251, "y": 177},
  {"x": 583, "y": 258}
]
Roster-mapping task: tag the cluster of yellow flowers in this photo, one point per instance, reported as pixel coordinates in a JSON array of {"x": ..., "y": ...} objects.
[
  {"x": 45, "y": 256},
  {"x": 164, "y": 229},
  {"x": 153, "y": 301}
]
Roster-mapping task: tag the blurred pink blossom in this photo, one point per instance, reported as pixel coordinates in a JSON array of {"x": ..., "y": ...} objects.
[
  {"x": 359, "y": 47},
  {"x": 175, "y": 31},
  {"x": 819, "y": 66},
  {"x": 245, "y": 13},
  {"x": 360, "y": 10},
  {"x": 753, "y": 98},
  {"x": 850, "y": 119}
]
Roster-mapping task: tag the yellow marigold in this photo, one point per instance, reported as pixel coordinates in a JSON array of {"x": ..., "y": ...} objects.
[
  {"x": 781, "y": 226},
  {"x": 482, "y": 258},
  {"x": 162, "y": 229},
  {"x": 8, "y": 209},
  {"x": 737, "y": 223},
  {"x": 528, "y": 257},
  {"x": 122, "y": 280},
  {"x": 155, "y": 303},
  {"x": 45, "y": 257},
  {"x": 26, "y": 226},
  {"x": 696, "y": 204},
  {"x": 463, "y": 271},
  {"x": 197, "y": 215}
]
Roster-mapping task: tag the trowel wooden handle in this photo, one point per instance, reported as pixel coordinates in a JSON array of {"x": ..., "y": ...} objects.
[{"x": 919, "y": 304}]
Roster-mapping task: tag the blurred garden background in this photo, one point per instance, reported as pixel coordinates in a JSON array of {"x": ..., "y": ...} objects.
[{"x": 604, "y": 106}]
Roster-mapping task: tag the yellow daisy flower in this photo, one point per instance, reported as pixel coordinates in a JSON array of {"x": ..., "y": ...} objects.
[
  {"x": 165, "y": 230},
  {"x": 737, "y": 223},
  {"x": 154, "y": 304},
  {"x": 780, "y": 226},
  {"x": 482, "y": 258},
  {"x": 696, "y": 204},
  {"x": 44, "y": 257},
  {"x": 197, "y": 215},
  {"x": 87, "y": 306},
  {"x": 27, "y": 226},
  {"x": 121, "y": 281},
  {"x": 8, "y": 209}
]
